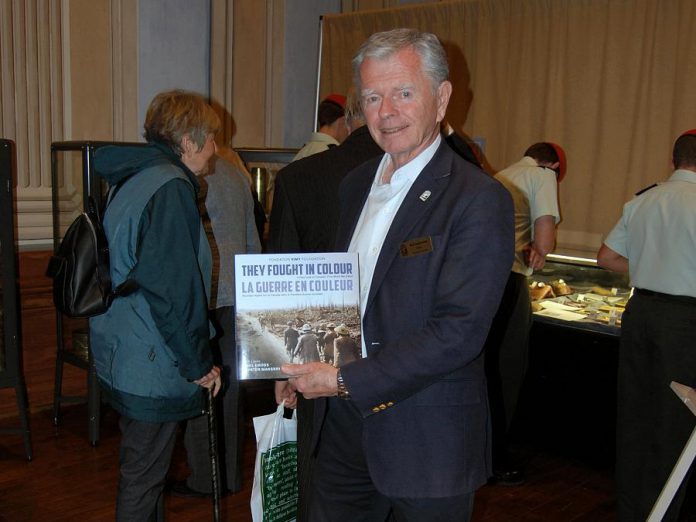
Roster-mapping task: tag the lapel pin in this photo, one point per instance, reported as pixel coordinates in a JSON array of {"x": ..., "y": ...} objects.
[{"x": 425, "y": 195}]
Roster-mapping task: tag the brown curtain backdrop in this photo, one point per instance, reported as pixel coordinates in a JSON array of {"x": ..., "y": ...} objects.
[{"x": 609, "y": 80}]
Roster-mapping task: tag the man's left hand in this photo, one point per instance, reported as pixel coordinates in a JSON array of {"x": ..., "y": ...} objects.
[{"x": 313, "y": 380}]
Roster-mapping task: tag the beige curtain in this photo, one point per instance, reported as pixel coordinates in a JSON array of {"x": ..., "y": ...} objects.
[{"x": 610, "y": 80}]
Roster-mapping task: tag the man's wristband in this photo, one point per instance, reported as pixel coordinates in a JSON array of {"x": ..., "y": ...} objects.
[{"x": 343, "y": 392}]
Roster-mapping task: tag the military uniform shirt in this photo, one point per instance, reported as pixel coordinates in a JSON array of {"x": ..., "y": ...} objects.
[
  {"x": 657, "y": 234},
  {"x": 534, "y": 193}
]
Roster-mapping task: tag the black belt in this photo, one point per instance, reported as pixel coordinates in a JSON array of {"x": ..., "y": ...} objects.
[{"x": 684, "y": 299}]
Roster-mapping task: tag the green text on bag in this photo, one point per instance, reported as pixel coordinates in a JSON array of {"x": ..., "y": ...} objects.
[{"x": 279, "y": 486}]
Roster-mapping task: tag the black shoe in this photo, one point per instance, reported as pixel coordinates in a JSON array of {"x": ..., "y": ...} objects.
[
  {"x": 508, "y": 477},
  {"x": 181, "y": 489}
]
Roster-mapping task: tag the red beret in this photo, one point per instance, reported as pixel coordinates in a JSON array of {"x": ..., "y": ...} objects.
[
  {"x": 561, "y": 160},
  {"x": 338, "y": 99},
  {"x": 691, "y": 132}
]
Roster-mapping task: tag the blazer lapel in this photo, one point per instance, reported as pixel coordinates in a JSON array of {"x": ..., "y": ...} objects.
[{"x": 418, "y": 203}]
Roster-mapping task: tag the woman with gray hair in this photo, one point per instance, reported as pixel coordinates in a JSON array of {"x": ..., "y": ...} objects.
[{"x": 151, "y": 347}]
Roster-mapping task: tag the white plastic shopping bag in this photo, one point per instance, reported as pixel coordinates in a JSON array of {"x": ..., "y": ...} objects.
[{"x": 274, "y": 494}]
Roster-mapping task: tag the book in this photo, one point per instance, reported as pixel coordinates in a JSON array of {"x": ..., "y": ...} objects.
[{"x": 295, "y": 308}]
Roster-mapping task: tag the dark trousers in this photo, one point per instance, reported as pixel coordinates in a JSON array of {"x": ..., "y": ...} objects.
[
  {"x": 342, "y": 490},
  {"x": 146, "y": 452},
  {"x": 229, "y": 414},
  {"x": 506, "y": 353},
  {"x": 658, "y": 345}
]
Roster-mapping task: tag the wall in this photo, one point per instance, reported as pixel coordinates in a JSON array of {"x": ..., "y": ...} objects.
[
  {"x": 173, "y": 48},
  {"x": 300, "y": 80}
]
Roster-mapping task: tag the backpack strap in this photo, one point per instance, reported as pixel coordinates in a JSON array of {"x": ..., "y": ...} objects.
[{"x": 129, "y": 285}]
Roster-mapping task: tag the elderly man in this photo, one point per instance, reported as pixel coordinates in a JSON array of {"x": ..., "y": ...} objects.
[
  {"x": 655, "y": 242},
  {"x": 404, "y": 431}
]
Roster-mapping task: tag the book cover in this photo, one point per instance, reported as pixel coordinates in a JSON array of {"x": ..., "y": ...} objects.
[{"x": 295, "y": 308}]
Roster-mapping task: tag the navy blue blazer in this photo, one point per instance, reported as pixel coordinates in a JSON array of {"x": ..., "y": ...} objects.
[{"x": 422, "y": 388}]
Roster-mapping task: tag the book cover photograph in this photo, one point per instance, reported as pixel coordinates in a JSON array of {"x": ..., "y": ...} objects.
[{"x": 295, "y": 308}]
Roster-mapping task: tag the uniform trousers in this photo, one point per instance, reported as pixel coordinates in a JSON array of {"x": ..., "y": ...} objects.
[
  {"x": 342, "y": 490},
  {"x": 658, "y": 345},
  {"x": 507, "y": 352},
  {"x": 145, "y": 456},
  {"x": 229, "y": 414}
]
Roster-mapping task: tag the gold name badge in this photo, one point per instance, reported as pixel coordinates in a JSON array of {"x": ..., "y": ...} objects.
[{"x": 414, "y": 247}]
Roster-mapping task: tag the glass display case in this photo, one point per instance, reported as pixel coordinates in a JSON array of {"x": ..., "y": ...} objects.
[
  {"x": 11, "y": 375},
  {"x": 574, "y": 292},
  {"x": 568, "y": 403},
  {"x": 263, "y": 165}
]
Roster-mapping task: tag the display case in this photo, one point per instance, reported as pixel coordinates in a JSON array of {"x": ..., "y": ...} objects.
[
  {"x": 263, "y": 165},
  {"x": 568, "y": 403},
  {"x": 11, "y": 375},
  {"x": 573, "y": 292}
]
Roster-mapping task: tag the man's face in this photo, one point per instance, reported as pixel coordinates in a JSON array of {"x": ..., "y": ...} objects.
[{"x": 402, "y": 111}]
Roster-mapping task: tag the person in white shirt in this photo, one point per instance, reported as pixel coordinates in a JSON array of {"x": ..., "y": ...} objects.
[
  {"x": 655, "y": 242},
  {"x": 533, "y": 185},
  {"x": 331, "y": 122}
]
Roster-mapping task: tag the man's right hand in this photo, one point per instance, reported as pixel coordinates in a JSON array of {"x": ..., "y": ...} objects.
[{"x": 536, "y": 260}]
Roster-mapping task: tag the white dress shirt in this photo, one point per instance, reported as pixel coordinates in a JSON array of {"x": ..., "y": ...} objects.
[{"x": 377, "y": 215}]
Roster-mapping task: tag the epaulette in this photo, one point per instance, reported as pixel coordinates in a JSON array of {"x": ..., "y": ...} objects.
[{"x": 646, "y": 189}]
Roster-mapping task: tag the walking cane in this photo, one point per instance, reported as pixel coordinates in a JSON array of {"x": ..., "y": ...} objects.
[{"x": 212, "y": 444}]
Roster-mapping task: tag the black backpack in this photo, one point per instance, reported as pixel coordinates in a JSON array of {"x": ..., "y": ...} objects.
[{"x": 80, "y": 268}]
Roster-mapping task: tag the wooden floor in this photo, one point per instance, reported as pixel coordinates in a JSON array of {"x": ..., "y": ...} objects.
[{"x": 69, "y": 480}]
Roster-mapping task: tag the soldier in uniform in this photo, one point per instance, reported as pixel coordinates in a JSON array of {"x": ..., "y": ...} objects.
[
  {"x": 307, "y": 349},
  {"x": 345, "y": 349},
  {"x": 329, "y": 338},
  {"x": 655, "y": 242},
  {"x": 290, "y": 337}
]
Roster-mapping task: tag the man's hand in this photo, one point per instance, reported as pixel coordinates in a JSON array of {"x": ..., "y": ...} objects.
[
  {"x": 313, "y": 380},
  {"x": 534, "y": 259},
  {"x": 284, "y": 391},
  {"x": 211, "y": 380}
]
